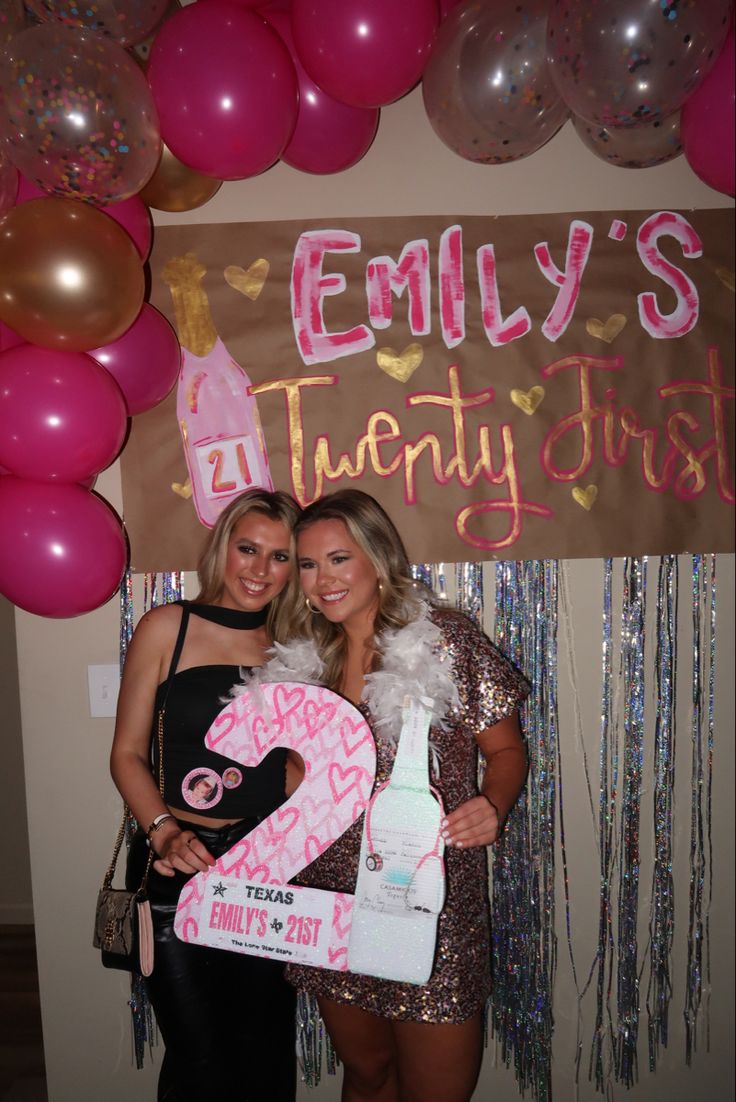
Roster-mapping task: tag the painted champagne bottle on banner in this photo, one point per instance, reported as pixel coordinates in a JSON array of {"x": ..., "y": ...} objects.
[
  {"x": 218, "y": 416},
  {"x": 400, "y": 889}
]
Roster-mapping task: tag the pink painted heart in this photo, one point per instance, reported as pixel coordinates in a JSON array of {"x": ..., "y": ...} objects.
[
  {"x": 316, "y": 812},
  {"x": 189, "y": 898},
  {"x": 290, "y": 860},
  {"x": 342, "y": 920},
  {"x": 221, "y": 727},
  {"x": 335, "y": 954},
  {"x": 313, "y": 847},
  {"x": 343, "y": 781},
  {"x": 263, "y": 736},
  {"x": 354, "y": 735},
  {"x": 261, "y": 872},
  {"x": 358, "y": 808},
  {"x": 189, "y": 930},
  {"x": 317, "y": 716},
  {"x": 285, "y": 818},
  {"x": 286, "y": 701}
]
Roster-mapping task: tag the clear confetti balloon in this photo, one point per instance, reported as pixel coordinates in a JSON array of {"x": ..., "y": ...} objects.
[
  {"x": 643, "y": 146},
  {"x": 79, "y": 119},
  {"x": 633, "y": 61},
  {"x": 486, "y": 88},
  {"x": 127, "y": 21}
]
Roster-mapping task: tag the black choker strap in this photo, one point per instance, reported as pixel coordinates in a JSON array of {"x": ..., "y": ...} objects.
[{"x": 230, "y": 617}]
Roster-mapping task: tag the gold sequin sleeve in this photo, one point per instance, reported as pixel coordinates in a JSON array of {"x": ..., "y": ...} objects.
[{"x": 490, "y": 687}]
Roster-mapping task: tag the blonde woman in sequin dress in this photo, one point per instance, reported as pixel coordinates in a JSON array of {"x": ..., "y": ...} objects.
[{"x": 401, "y": 1042}]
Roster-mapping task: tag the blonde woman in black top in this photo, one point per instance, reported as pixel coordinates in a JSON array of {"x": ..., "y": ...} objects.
[{"x": 227, "y": 1020}]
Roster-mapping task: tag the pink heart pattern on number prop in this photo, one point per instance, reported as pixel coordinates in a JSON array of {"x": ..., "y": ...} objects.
[{"x": 337, "y": 747}]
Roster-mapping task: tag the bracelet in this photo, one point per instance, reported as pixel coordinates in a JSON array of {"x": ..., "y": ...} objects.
[{"x": 157, "y": 822}]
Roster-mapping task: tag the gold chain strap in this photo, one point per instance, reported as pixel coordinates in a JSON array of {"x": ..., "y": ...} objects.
[{"x": 107, "y": 882}]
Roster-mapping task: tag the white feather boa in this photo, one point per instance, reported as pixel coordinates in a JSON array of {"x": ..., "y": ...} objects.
[{"x": 412, "y": 664}]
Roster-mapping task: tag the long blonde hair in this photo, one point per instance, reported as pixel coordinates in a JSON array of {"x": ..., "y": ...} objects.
[
  {"x": 276, "y": 505},
  {"x": 399, "y": 597}
]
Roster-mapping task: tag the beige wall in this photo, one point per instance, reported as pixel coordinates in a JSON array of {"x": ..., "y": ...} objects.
[
  {"x": 16, "y": 904},
  {"x": 72, "y": 806}
]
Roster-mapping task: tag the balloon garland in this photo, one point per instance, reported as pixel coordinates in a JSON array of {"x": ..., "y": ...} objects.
[
  {"x": 220, "y": 90},
  {"x": 88, "y": 140}
]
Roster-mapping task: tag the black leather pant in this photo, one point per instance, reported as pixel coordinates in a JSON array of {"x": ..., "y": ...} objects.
[{"x": 227, "y": 1020}]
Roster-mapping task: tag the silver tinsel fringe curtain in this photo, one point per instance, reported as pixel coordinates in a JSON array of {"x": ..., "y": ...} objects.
[{"x": 527, "y": 608}]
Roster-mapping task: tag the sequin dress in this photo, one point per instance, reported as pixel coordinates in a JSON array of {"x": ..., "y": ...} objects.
[{"x": 489, "y": 689}]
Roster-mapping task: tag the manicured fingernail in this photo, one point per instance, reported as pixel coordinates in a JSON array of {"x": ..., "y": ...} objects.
[{"x": 443, "y": 823}]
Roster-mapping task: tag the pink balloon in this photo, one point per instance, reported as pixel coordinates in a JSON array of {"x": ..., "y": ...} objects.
[
  {"x": 8, "y": 337},
  {"x": 144, "y": 362},
  {"x": 132, "y": 214},
  {"x": 364, "y": 52},
  {"x": 62, "y": 416},
  {"x": 63, "y": 551},
  {"x": 708, "y": 123},
  {"x": 225, "y": 88},
  {"x": 329, "y": 136},
  {"x": 28, "y": 191},
  {"x": 239, "y": 3}
]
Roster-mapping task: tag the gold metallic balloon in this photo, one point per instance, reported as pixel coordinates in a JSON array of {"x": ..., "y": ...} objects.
[
  {"x": 70, "y": 277},
  {"x": 175, "y": 187}
]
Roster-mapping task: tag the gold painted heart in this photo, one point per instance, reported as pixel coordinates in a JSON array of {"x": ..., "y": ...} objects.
[
  {"x": 585, "y": 497},
  {"x": 249, "y": 283},
  {"x": 606, "y": 330},
  {"x": 183, "y": 489},
  {"x": 528, "y": 400},
  {"x": 400, "y": 366}
]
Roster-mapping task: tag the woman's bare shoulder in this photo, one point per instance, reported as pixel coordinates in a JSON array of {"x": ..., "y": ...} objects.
[{"x": 159, "y": 626}]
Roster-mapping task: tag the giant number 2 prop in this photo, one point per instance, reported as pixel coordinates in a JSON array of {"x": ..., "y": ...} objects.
[{"x": 243, "y": 903}]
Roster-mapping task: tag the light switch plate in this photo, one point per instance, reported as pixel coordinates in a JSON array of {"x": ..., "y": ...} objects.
[{"x": 104, "y": 684}]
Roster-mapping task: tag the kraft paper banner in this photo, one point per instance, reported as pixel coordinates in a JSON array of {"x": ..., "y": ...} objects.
[{"x": 550, "y": 386}]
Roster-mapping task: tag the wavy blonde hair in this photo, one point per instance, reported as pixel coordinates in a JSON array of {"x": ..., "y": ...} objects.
[
  {"x": 276, "y": 505},
  {"x": 399, "y": 596}
]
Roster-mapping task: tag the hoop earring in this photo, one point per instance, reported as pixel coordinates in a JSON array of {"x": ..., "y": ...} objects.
[{"x": 314, "y": 611}]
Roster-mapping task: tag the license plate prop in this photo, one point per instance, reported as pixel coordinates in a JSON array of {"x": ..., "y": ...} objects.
[{"x": 244, "y": 902}]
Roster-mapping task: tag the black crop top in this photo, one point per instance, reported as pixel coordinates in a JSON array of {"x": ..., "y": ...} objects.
[{"x": 195, "y": 776}]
